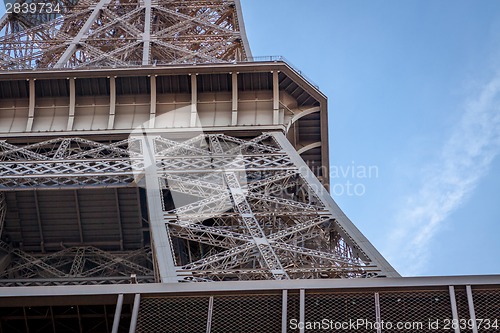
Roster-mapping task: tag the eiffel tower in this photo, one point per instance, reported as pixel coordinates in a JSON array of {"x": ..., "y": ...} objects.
[{"x": 156, "y": 177}]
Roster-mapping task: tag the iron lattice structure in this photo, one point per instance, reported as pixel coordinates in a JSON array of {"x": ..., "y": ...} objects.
[
  {"x": 141, "y": 170},
  {"x": 232, "y": 203},
  {"x": 90, "y": 33},
  {"x": 220, "y": 208},
  {"x": 76, "y": 266}
]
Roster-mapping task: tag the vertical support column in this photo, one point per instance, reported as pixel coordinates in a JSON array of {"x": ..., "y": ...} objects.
[
  {"x": 472, "y": 311},
  {"x": 112, "y": 102},
  {"x": 377, "y": 313},
  {"x": 302, "y": 313},
  {"x": 135, "y": 313},
  {"x": 325, "y": 160},
  {"x": 454, "y": 310},
  {"x": 152, "y": 108},
  {"x": 194, "y": 100},
  {"x": 276, "y": 98},
  {"x": 118, "y": 314},
  {"x": 70, "y": 50},
  {"x": 39, "y": 221},
  {"x": 31, "y": 107},
  {"x": 284, "y": 311},
  {"x": 3, "y": 211},
  {"x": 78, "y": 215},
  {"x": 234, "y": 108},
  {"x": 162, "y": 247},
  {"x": 146, "y": 35},
  {"x": 72, "y": 103},
  {"x": 210, "y": 312}
]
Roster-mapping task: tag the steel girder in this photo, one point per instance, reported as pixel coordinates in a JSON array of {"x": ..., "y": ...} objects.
[
  {"x": 220, "y": 207},
  {"x": 101, "y": 33}
]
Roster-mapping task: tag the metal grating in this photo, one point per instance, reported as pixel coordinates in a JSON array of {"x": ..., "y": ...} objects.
[
  {"x": 247, "y": 314},
  {"x": 259, "y": 311},
  {"x": 175, "y": 315},
  {"x": 415, "y": 308},
  {"x": 293, "y": 309},
  {"x": 487, "y": 308},
  {"x": 339, "y": 308}
]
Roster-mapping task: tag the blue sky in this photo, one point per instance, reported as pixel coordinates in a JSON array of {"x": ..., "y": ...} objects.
[{"x": 414, "y": 90}]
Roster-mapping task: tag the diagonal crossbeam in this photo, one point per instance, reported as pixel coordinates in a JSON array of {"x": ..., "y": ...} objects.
[{"x": 269, "y": 258}]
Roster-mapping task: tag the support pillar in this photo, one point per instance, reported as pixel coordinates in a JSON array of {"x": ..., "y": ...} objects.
[
  {"x": 276, "y": 98},
  {"x": 146, "y": 36},
  {"x": 135, "y": 313},
  {"x": 454, "y": 310},
  {"x": 210, "y": 313},
  {"x": 472, "y": 311},
  {"x": 163, "y": 252},
  {"x": 284, "y": 311},
  {"x": 118, "y": 313},
  {"x": 31, "y": 106},
  {"x": 72, "y": 103},
  {"x": 194, "y": 100},
  {"x": 152, "y": 108},
  {"x": 302, "y": 311},
  {"x": 234, "y": 107},
  {"x": 112, "y": 102}
]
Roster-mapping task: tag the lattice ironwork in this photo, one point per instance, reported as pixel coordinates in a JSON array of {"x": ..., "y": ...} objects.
[
  {"x": 105, "y": 33},
  {"x": 75, "y": 265},
  {"x": 67, "y": 162},
  {"x": 251, "y": 214},
  {"x": 232, "y": 208}
]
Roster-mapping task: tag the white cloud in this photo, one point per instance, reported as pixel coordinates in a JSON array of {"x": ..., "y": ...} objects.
[{"x": 465, "y": 157}]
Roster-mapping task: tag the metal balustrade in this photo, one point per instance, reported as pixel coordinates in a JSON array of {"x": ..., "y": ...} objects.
[{"x": 402, "y": 305}]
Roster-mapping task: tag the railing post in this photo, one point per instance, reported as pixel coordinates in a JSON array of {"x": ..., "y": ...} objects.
[{"x": 118, "y": 313}]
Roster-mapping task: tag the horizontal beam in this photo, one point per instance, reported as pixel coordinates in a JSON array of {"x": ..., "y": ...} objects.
[
  {"x": 239, "y": 286},
  {"x": 182, "y": 132}
]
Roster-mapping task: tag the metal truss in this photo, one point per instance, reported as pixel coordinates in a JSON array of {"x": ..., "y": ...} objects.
[
  {"x": 66, "y": 163},
  {"x": 220, "y": 208},
  {"x": 100, "y": 33},
  {"x": 75, "y": 265},
  {"x": 252, "y": 213}
]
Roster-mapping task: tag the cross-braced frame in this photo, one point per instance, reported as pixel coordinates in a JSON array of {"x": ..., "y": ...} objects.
[
  {"x": 101, "y": 33},
  {"x": 220, "y": 207}
]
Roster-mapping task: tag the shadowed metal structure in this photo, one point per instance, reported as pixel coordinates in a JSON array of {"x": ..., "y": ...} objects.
[{"x": 143, "y": 146}]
